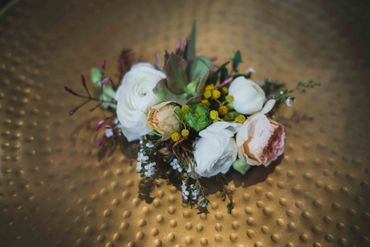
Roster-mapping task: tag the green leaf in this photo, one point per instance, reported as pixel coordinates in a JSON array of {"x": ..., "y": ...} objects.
[
  {"x": 197, "y": 117},
  {"x": 224, "y": 74},
  {"x": 230, "y": 207},
  {"x": 107, "y": 94},
  {"x": 199, "y": 71},
  {"x": 241, "y": 166},
  {"x": 96, "y": 76},
  {"x": 199, "y": 68},
  {"x": 236, "y": 60},
  {"x": 190, "y": 48},
  {"x": 231, "y": 116},
  {"x": 162, "y": 91},
  {"x": 108, "y": 91},
  {"x": 175, "y": 70},
  {"x": 191, "y": 88}
]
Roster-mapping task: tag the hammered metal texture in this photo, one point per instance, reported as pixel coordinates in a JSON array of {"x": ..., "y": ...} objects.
[{"x": 56, "y": 191}]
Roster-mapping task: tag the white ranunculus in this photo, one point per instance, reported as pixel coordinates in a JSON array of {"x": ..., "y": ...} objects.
[
  {"x": 215, "y": 150},
  {"x": 134, "y": 97},
  {"x": 248, "y": 95}
]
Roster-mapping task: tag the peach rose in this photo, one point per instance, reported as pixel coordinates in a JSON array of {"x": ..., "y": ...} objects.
[
  {"x": 260, "y": 140},
  {"x": 163, "y": 120}
]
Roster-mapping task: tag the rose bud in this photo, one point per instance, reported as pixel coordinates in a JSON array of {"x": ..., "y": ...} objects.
[
  {"x": 248, "y": 96},
  {"x": 162, "y": 119},
  {"x": 260, "y": 140}
]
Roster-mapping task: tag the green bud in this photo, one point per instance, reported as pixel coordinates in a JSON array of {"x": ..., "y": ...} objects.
[
  {"x": 96, "y": 76},
  {"x": 241, "y": 166}
]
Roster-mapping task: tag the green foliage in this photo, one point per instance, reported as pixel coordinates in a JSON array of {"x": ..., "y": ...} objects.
[
  {"x": 107, "y": 94},
  {"x": 236, "y": 60},
  {"x": 199, "y": 71},
  {"x": 163, "y": 92},
  {"x": 190, "y": 48},
  {"x": 230, "y": 116},
  {"x": 241, "y": 166},
  {"x": 96, "y": 76},
  {"x": 191, "y": 88},
  {"x": 281, "y": 93},
  {"x": 175, "y": 70},
  {"x": 230, "y": 207},
  {"x": 224, "y": 74},
  {"x": 196, "y": 118},
  {"x": 303, "y": 86}
]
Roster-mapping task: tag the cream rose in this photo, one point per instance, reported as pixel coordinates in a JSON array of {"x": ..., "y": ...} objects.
[
  {"x": 260, "y": 140},
  {"x": 248, "y": 95},
  {"x": 134, "y": 97},
  {"x": 215, "y": 150},
  {"x": 162, "y": 118}
]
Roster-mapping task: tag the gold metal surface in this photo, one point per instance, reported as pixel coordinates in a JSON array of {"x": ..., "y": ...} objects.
[{"x": 56, "y": 191}]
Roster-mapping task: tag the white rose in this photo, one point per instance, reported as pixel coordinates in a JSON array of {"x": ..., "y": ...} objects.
[
  {"x": 260, "y": 140},
  {"x": 216, "y": 150},
  {"x": 248, "y": 95},
  {"x": 134, "y": 97}
]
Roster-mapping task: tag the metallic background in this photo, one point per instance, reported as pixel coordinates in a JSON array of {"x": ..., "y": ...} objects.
[{"x": 55, "y": 191}]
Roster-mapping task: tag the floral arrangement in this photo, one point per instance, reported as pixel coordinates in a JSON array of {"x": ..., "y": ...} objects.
[{"x": 194, "y": 120}]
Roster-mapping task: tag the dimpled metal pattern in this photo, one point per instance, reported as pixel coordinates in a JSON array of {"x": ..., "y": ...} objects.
[{"x": 55, "y": 191}]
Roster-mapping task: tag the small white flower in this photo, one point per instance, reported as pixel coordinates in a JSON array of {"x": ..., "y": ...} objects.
[
  {"x": 185, "y": 191},
  {"x": 289, "y": 101},
  {"x": 134, "y": 97},
  {"x": 250, "y": 71},
  {"x": 175, "y": 164},
  {"x": 248, "y": 96},
  {"x": 108, "y": 133}
]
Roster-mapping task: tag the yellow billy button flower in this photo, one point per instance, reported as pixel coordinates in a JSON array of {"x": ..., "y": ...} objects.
[
  {"x": 185, "y": 132},
  {"x": 216, "y": 94},
  {"x": 223, "y": 110},
  {"x": 175, "y": 136},
  {"x": 210, "y": 87},
  {"x": 213, "y": 115},
  {"x": 207, "y": 94},
  {"x": 229, "y": 99},
  {"x": 240, "y": 118},
  {"x": 185, "y": 108},
  {"x": 205, "y": 101},
  {"x": 224, "y": 90}
]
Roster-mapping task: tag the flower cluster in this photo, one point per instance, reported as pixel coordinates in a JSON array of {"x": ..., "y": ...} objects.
[{"x": 193, "y": 119}]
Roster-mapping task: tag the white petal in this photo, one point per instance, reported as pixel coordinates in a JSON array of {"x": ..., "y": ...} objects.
[{"x": 268, "y": 106}]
